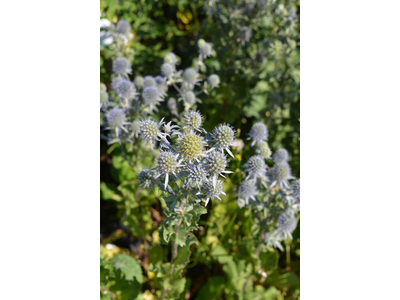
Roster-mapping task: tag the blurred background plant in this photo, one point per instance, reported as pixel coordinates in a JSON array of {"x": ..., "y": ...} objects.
[{"x": 255, "y": 53}]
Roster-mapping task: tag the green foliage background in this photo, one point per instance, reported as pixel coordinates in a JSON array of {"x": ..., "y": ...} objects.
[{"x": 260, "y": 81}]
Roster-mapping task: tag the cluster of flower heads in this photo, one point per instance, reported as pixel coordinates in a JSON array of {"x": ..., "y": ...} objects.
[
  {"x": 190, "y": 158},
  {"x": 274, "y": 188},
  {"x": 130, "y": 100}
]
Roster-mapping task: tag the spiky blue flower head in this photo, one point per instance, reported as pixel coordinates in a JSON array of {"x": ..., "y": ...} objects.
[
  {"x": 280, "y": 156},
  {"x": 167, "y": 163},
  {"x": 223, "y": 137},
  {"x": 149, "y": 81},
  {"x": 193, "y": 120},
  {"x": 247, "y": 190},
  {"x": 123, "y": 27},
  {"x": 150, "y": 130},
  {"x": 135, "y": 127},
  {"x": 197, "y": 175},
  {"x": 161, "y": 84},
  {"x": 189, "y": 97},
  {"x": 190, "y": 76},
  {"x": 245, "y": 34},
  {"x": 296, "y": 189},
  {"x": 213, "y": 80},
  {"x": 205, "y": 49},
  {"x": 191, "y": 146},
  {"x": 151, "y": 95},
  {"x": 213, "y": 190},
  {"x": 147, "y": 179},
  {"x": 258, "y": 133},
  {"x": 103, "y": 98},
  {"x": 170, "y": 58},
  {"x": 200, "y": 42},
  {"x": 103, "y": 87},
  {"x": 280, "y": 174},
  {"x": 256, "y": 167},
  {"x": 172, "y": 106},
  {"x": 121, "y": 66},
  {"x": 139, "y": 81},
  {"x": 287, "y": 222},
  {"x": 116, "y": 117},
  {"x": 216, "y": 163},
  {"x": 115, "y": 82},
  {"x": 125, "y": 89},
  {"x": 167, "y": 69},
  {"x": 264, "y": 150}
]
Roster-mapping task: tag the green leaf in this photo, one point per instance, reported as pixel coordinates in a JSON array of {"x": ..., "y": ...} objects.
[
  {"x": 128, "y": 266},
  {"x": 269, "y": 260},
  {"x": 212, "y": 289}
]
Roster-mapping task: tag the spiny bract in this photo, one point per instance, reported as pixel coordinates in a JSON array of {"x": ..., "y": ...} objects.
[{"x": 213, "y": 190}]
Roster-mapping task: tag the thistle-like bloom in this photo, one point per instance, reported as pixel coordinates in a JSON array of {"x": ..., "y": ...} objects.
[
  {"x": 280, "y": 174},
  {"x": 264, "y": 150},
  {"x": 223, "y": 137},
  {"x": 205, "y": 49},
  {"x": 150, "y": 131},
  {"x": 197, "y": 175},
  {"x": 139, "y": 81},
  {"x": 272, "y": 239},
  {"x": 121, "y": 66},
  {"x": 287, "y": 222},
  {"x": 247, "y": 190},
  {"x": 167, "y": 69},
  {"x": 167, "y": 163},
  {"x": 258, "y": 133},
  {"x": 296, "y": 189},
  {"x": 103, "y": 87},
  {"x": 103, "y": 98},
  {"x": 123, "y": 27},
  {"x": 170, "y": 58},
  {"x": 173, "y": 108},
  {"x": 191, "y": 146},
  {"x": 216, "y": 164},
  {"x": 135, "y": 128},
  {"x": 213, "y": 190},
  {"x": 170, "y": 129},
  {"x": 256, "y": 167},
  {"x": 115, "y": 82},
  {"x": 213, "y": 80},
  {"x": 151, "y": 96},
  {"x": 193, "y": 120},
  {"x": 189, "y": 97},
  {"x": 116, "y": 119},
  {"x": 190, "y": 76},
  {"x": 280, "y": 156},
  {"x": 245, "y": 34},
  {"x": 147, "y": 179},
  {"x": 125, "y": 89},
  {"x": 149, "y": 81},
  {"x": 161, "y": 85}
]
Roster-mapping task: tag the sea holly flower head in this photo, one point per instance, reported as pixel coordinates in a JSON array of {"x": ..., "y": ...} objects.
[
  {"x": 216, "y": 163},
  {"x": 264, "y": 150},
  {"x": 280, "y": 156},
  {"x": 123, "y": 27},
  {"x": 149, "y": 81},
  {"x": 161, "y": 85},
  {"x": 296, "y": 189},
  {"x": 167, "y": 69},
  {"x": 189, "y": 97},
  {"x": 150, "y": 131},
  {"x": 190, "y": 76},
  {"x": 213, "y": 190},
  {"x": 103, "y": 87},
  {"x": 213, "y": 80},
  {"x": 205, "y": 49},
  {"x": 197, "y": 175},
  {"x": 170, "y": 58},
  {"x": 258, "y": 133},
  {"x": 191, "y": 146},
  {"x": 172, "y": 106},
  {"x": 115, "y": 82},
  {"x": 135, "y": 128},
  {"x": 256, "y": 167},
  {"x": 151, "y": 97},
  {"x": 139, "y": 81},
  {"x": 167, "y": 163},
  {"x": 287, "y": 222},
  {"x": 121, "y": 66},
  {"x": 116, "y": 119},
  {"x": 280, "y": 174},
  {"x": 125, "y": 89},
  {"x": 147, "y": 179},
  {"x": 103, "y": 98},
  {"x": 193, "y": 120},
  {"x": 247, "y": 190},
  {"x": 223, "y": 137}
]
